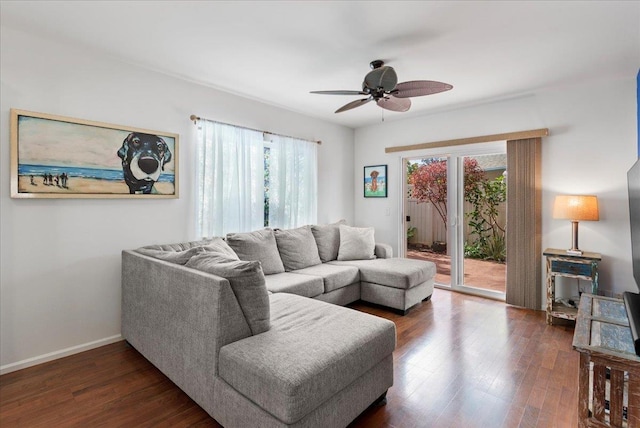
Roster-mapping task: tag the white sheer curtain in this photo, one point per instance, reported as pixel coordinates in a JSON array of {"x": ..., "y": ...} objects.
[
  {"x": 230, "y": 179},
  {"x": 293, "y": 188}
]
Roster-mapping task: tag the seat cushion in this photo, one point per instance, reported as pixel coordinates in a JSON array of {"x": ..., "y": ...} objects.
[
  {"x": 395, "y": 272},
  {"x": 334, "y": 276},
  {"x": 312, "y": 351},
  {"x": 288, "y": 282}
]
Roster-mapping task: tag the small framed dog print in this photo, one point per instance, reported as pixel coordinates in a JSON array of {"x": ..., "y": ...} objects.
[
  {"x": 375, "y": 181},
  {"x": 60, "y": 157}
]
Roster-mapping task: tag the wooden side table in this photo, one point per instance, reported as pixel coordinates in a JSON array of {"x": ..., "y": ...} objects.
[
  {"x": 608, "y": 392},
  {"x": 559, "y": 263}
]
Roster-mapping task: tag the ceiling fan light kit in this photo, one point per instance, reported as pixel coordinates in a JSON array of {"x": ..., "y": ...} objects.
[{"x": 381, "y": 85}]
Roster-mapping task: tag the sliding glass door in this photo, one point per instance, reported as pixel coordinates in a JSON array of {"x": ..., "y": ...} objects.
[{"x": 455, "y": 216}]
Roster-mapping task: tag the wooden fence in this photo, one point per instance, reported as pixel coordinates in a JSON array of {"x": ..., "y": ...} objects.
[{"x": 429, "y": 225}]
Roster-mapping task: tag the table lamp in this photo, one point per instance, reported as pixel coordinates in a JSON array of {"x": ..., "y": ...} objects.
[{"x": 576, "y": 208}]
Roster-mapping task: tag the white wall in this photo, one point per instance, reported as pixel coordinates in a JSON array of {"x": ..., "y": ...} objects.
[
  {"x": 60, "y": 259},
  {"x": 591, "y": 146}
]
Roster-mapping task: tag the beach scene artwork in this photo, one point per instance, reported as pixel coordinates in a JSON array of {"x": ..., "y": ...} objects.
[
  {"x": 58, "y": 157},
  {"x": 375, "y": 181}
]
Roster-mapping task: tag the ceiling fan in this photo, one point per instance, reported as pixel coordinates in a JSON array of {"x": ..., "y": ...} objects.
[{"x": 381, "y": 85}]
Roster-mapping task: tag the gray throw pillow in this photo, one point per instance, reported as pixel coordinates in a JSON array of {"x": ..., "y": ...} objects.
[
  {"x": 219, "y": 245},
  {"x": 297, "y": 248},
  {"x": 182, "y": 246},
  {"x": 247, "y": 282},
  {"x": 177, "y": 257},
  {"x": 356, "y": 243},
  {"x": 327, "y": 238},
  {"x": 181, "y": 253},
  {"x": 259, "y": 245}
]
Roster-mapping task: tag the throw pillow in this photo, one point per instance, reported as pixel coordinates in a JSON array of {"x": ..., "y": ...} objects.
[
  {"x": 177, "y": 257},
  {"x": 247, "y": 282},
  {"x": 259, "y": 245},
  {"x": 219, "y": 245},
  {"x": 327, "y": 238},
  {"x": 297, "y": 248},
  {"x": 356, "y": 243},
  {"x": 181, "y": 253},
  {"x": 181, "y": 246}
]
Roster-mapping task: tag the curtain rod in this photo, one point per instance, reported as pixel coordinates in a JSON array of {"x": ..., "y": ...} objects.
[{"x": 197, "y": 118}]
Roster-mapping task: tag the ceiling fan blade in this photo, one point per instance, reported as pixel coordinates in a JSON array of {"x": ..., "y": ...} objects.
[
  {"x": 418, "y": 88},
  {"x": 353, "y": 104},
  {"x": 383, "y": 77},
  {"x": 340, "y": 92},
  {"x": 395, "y": 104}
]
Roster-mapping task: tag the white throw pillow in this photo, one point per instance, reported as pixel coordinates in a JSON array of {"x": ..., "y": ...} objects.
[{"x": 356, "y": 243}]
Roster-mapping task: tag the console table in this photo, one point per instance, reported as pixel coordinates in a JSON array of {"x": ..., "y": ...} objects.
[
  {"x": 609, "y": 373},
  {"x": 560, "y": 263}
]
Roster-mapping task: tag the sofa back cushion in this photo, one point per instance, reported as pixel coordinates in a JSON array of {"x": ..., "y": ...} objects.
[
  {"x": 181, "y": 253},
  {"x": 259, "y": 245},
  {"x": 247, "y": 282},
  {"x": 327, "y": 238},
  {"x": 356, "y": 243},
  {"x": 297, "y": 248}
]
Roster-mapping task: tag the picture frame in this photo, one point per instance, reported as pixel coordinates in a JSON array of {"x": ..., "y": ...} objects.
[
  {"x": 62, "y": 157},
  {"x": 375, "y": 181}
]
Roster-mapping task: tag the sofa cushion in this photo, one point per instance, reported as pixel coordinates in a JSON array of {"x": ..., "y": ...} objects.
[
  {"x": 259, "y": 245},
  {"x": 327, "y": 238},
  {"x": 356, "y": 243},
  {"x": 334, "y": 276},
  {"x": 312, "y": 351},
  {"x": 180, "y": 246},
  {"x": 177, "y": 257},
  {"x": 288, "y": 282},
  {"x": 297, "y": 248},
  {"x": 247, "y": 282},
  {"x": 396, "y": 272},
  {"x": 181, "y": 253}
]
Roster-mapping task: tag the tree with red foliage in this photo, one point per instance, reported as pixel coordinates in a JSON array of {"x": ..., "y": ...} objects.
[{"x": 429, "y": 182}]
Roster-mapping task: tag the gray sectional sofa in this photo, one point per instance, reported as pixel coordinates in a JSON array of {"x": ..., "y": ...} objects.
[{"x": 251, "y": 327}]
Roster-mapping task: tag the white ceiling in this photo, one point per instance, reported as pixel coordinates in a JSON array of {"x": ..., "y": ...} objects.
[{"x": 277, "y": 52}]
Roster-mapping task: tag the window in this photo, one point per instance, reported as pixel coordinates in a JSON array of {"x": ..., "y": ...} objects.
[{"x": 248, "y": 179}]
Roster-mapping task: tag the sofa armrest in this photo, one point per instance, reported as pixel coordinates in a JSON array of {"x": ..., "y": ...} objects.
[
  {"x": 179, "y": 318},
  {"x": 383, "y": 251}
]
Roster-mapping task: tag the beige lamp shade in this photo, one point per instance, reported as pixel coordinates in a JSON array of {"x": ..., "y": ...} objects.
[{"x": 576, "y": 207}]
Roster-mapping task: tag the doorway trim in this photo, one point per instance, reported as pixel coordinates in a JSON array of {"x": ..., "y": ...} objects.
[{"x": 519, "y": 135}]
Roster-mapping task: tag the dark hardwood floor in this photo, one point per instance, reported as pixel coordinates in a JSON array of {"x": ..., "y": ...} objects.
[{"x": 461, "y": 361}]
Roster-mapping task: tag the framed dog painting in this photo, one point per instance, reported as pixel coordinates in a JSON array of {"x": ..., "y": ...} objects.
[
  {"x": 60, "y": 157},
  {"x": 375, "y": 181}
]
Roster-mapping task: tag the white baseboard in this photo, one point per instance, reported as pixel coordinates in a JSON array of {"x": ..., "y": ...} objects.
[{"x": 8, "y": 368}]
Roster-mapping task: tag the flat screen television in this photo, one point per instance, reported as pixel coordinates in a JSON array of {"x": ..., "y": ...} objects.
[{"x": 632, "y": 300}]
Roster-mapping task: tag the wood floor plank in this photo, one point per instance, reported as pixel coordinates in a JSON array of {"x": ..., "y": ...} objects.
[{"x": 460, "y": 361}]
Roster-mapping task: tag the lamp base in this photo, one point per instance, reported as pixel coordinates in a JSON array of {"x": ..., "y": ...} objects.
[{"x": 574, "y": 251}]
